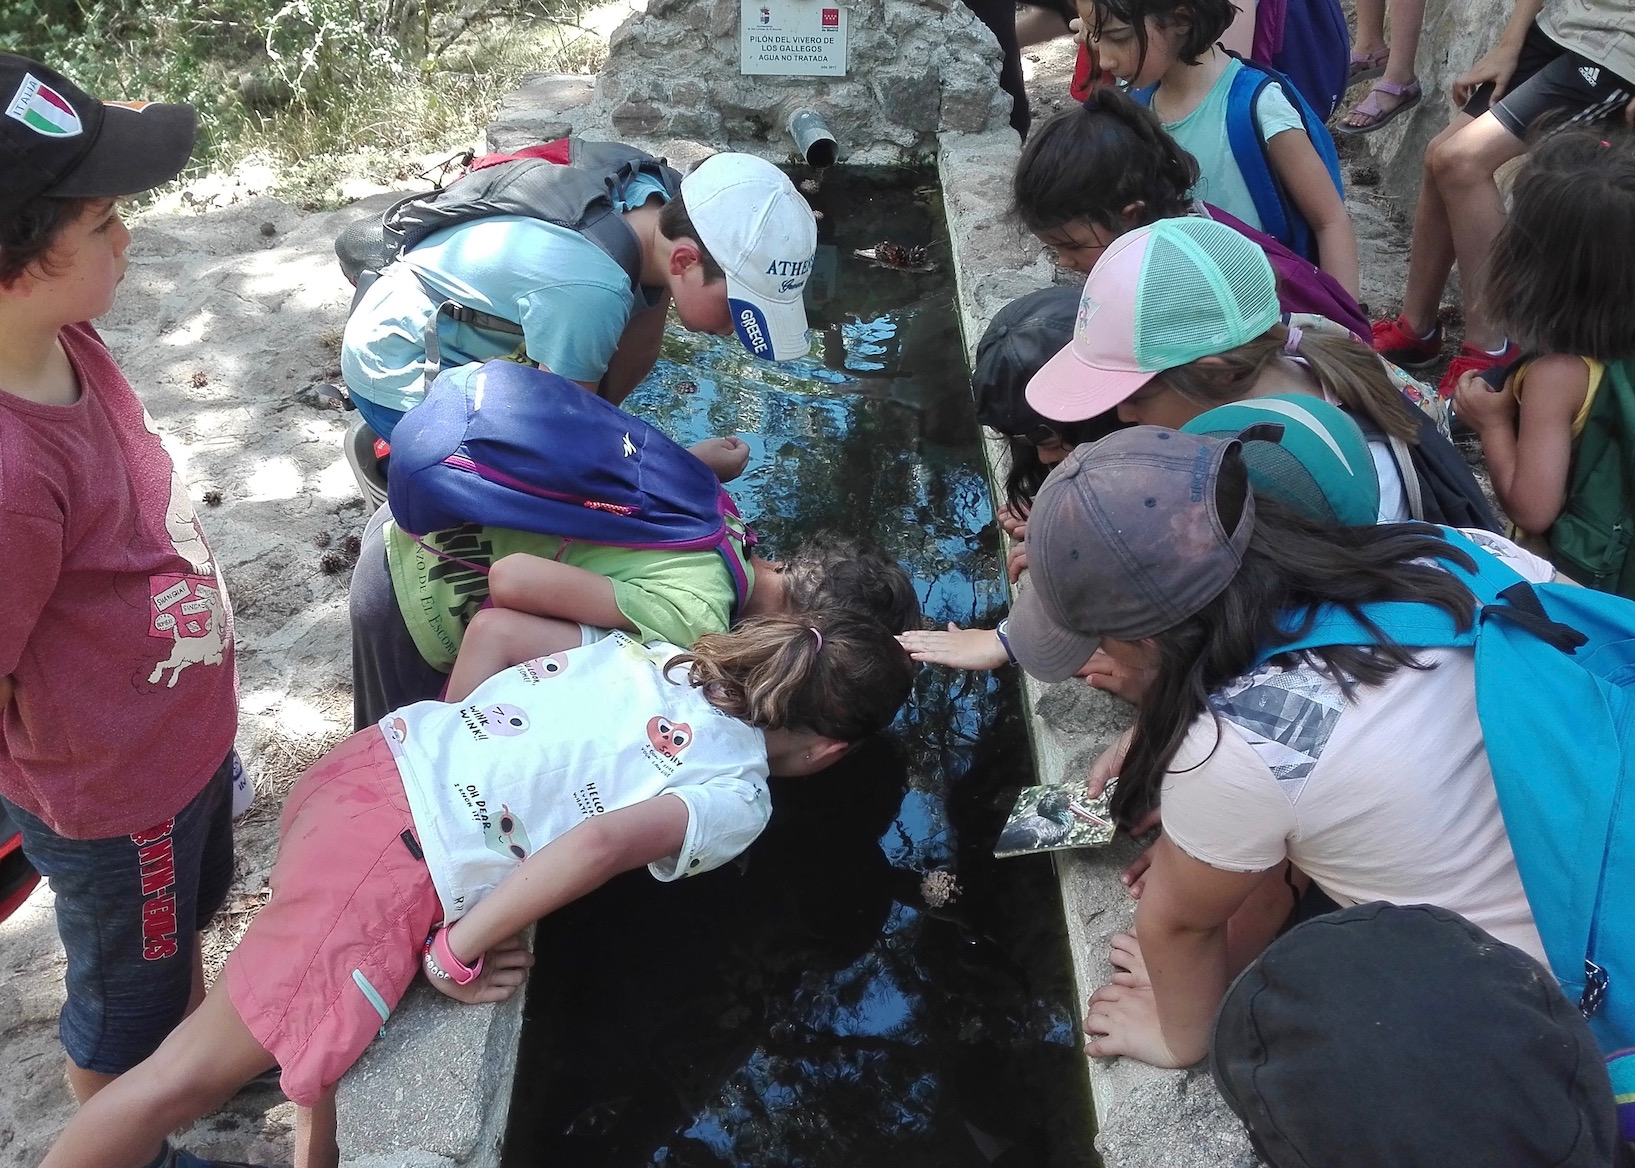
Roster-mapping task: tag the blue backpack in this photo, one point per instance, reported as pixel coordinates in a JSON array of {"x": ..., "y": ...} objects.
[
  {"x": 508, "y": 445},
  {"x": 1555, "y": 692},
  {"x": 1279, "y": 217},
  {"x": 1314, "y": 51}
]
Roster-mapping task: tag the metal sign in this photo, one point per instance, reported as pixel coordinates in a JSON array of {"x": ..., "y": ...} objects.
[{"x": 792, "y": 38}]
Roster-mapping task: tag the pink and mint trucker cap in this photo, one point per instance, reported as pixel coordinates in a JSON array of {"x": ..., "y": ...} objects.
[{"x": 1161, "y": 296}]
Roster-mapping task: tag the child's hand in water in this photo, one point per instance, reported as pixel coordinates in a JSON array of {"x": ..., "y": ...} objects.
[
  {"x": 727, "y": 457},
  {"x": 1481, "y": 407},
  {"x": 505, "y": 968},
  {"x": 957, "y": 647}
]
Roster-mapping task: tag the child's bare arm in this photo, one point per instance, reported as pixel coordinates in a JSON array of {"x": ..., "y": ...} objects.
[
  {"x": 498, "y": 638},
  {"x": 568, "y": 867},
  {"x": 1528, "y": 446},
  {"x": 1312, "y": 190},
  {"x": 544, "y": 587}
]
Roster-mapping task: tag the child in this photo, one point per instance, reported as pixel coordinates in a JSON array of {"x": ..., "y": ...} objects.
[
  {"x": 1172, "y": 44},
  {"x": 117, "y": 680},
  {"x": 413, "y": 598},
  {"x": 433, "y": 840},
  {"x": 1183, "y": 316},
  {"x": 732, "y": 250},
  {"x": 542, "y": 605},
  {"x": 1557, "y": 436},
  {"x": 1556, "y": 61},
  {"x": 1091, "y": 173},
  {"x": 1370, "y": 776},
  {"x": 1022, "y": 336},
  {"x": 1298, "y": 449}
]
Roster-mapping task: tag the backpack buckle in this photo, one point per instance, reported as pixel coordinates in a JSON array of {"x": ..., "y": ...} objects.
[{"x": 1595, "y": 989}]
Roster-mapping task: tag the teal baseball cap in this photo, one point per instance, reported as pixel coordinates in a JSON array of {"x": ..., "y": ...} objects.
[
  {"x": 1161, "y": 296},
  {"x": 1303, "y": 452}
]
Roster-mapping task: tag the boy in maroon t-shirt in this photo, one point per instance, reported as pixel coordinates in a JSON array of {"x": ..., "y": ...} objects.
[{"x": 118, "y": 698}]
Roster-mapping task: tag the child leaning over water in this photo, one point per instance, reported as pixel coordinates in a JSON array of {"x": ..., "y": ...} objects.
[
  {"x": 1172, "y": 44},
  {"x": 432, "y": 840},
  {"x": 1558, "y": 433},
  {"x": 1092, "y": 173}
]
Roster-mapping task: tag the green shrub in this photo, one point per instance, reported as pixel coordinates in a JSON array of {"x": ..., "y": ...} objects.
[{"x": 310, "y": 80}]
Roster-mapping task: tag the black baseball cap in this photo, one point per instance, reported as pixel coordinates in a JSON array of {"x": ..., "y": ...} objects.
[
  {"x": 1022, "y": 336},
  {"x": 1407, "y": 1036},
  {"x": 57, "y": 140}
]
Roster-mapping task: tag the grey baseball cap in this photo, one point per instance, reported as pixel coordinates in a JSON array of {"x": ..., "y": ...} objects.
[{"x": 1124, "y": 541}]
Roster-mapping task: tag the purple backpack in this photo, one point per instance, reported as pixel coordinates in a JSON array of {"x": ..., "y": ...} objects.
[
  {"x": 508, "y": 445},
  {"x": 1301, "y": 285}
]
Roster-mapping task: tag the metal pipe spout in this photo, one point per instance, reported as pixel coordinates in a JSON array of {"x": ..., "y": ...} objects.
[{"x": 813, "y": 141}]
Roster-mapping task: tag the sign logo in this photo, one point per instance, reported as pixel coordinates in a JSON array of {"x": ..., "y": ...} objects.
[
  {"x": 44, "y": 110},
  {"x": 831, "y": 18},
  {"x": 766, "y": 15}
]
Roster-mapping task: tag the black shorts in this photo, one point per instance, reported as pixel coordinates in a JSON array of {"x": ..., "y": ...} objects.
[{"x": 1552, "y": 80}]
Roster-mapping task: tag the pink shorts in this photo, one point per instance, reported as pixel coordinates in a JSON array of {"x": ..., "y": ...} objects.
[{"x": 339, "y": 942}]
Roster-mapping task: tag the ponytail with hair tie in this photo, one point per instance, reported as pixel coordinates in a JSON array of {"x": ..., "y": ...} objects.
[{"x": 843, "y": 675}]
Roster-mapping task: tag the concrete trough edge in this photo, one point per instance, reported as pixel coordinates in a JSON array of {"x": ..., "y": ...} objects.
[
  {"x": 435, "y": 1090},
  {"x": 1144, "y": 1116}
]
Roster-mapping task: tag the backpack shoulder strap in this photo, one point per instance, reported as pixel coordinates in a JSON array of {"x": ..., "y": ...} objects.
[
  {"x": 1249, "y": 152},
  {"x": 1413, "y": 624},
  {"x": 1404, "y": 458}
]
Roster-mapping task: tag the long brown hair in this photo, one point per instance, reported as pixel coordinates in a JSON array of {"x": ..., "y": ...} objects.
[
  {"x": 832, "y": 672},
  {"x": 1290, "y": 568},
  {"x": 1561, "y": 276},
  {"x": 1343, "y": 366}
]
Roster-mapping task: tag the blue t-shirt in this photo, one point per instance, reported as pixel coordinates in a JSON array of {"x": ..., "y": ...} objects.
[
  {"x": 1202, "y": 134},
  {"x": 571, "y": 299}
]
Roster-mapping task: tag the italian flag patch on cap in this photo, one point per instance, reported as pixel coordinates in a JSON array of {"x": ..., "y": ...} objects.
[{"x": 43, "y": 110}]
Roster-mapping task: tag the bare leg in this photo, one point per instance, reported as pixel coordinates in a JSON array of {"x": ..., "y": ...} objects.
[
  {"x": 85, "y": 1084},
  {"x": 1464, "y": 168},
  {"x": 1370, "y": 28},
  {"x": 1406, "y": 18},
  {"x": 1034, "y": 25},
  {"x": 1430, "y": 256},
  {"x": 315, "y": 1145},
  {"x": 498, "y": 638},
  {"x": 198, "y": 1068}
]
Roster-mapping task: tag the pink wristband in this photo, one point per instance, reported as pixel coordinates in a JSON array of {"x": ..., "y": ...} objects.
[{"x": 446, "y": 963}]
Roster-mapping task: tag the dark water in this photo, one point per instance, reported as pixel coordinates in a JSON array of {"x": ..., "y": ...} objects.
[{"x": 808, "y": 1006}]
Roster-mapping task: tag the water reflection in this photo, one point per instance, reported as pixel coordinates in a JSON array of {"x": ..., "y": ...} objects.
[{"x": 812, "y": 1004}]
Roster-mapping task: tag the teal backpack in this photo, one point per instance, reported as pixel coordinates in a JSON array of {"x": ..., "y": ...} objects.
[{"x": 1555, "y": 691}]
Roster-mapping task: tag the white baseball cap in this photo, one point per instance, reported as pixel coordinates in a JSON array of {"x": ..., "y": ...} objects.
[{"x": 750, "y": 217}]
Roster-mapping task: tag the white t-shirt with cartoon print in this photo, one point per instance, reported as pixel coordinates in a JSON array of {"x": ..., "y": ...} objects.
[{"x": 543, "y": 746}]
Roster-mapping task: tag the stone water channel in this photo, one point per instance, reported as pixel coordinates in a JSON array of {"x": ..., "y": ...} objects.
[{"x": 819, "y": 1002}]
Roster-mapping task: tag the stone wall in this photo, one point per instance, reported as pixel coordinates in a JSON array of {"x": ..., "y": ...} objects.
[
  {"x": 1455, "y": 34},
  {"x": 914, "y": 68}
]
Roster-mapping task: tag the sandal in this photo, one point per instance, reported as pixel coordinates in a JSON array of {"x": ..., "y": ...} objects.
[
  {"x": 1371, "y": 108},
  {"x": 1366, "y": 67}
]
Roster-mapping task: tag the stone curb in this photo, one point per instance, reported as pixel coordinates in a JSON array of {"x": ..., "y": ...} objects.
[{"x": 1144, "y": 1116}]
